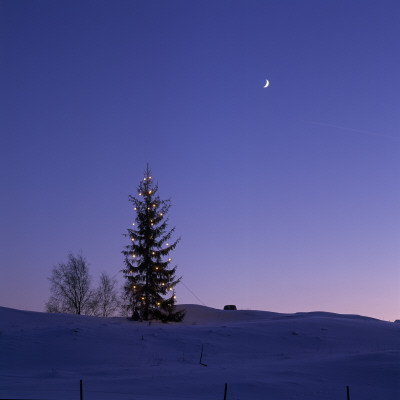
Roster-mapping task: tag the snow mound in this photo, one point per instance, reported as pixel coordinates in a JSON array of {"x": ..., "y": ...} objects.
[{"x": 206, "y": 315}]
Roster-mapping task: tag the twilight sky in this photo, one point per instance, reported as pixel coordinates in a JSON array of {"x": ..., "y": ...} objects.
[{"x": 287, "y": 198}]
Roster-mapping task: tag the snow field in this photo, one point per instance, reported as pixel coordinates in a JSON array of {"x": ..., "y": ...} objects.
[{"x": 260, "y": 355}]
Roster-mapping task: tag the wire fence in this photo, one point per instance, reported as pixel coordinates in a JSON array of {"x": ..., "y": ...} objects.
[{"x": 74, "y": 395}]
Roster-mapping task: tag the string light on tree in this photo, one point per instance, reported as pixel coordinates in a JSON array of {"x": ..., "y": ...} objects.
[{"x": 149, "y": 289}]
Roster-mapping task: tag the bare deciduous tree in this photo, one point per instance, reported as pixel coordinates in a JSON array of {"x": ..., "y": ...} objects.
[
  {"x": 105, "y": 300},
  {"x": 70, "y": 287}
]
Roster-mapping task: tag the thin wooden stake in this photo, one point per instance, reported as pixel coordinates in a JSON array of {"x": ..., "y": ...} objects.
[
  {"x": 80, "y": 384},
  {"x": 201, "y": 357},
  {"x": 226, "y": 389},
  {"x": 348, "y": 393}
]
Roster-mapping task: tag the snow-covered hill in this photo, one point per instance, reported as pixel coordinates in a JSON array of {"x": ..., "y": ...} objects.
[{"x": 260, "y": 355}]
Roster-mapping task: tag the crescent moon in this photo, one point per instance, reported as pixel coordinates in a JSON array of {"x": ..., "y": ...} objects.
[{"x": 266, "y": 84}]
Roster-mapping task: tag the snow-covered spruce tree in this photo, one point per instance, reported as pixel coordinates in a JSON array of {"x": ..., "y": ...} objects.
[{"x": 150, "y": 279}]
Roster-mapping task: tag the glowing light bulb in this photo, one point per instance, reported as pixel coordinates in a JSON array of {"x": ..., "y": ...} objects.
[
  {"x": 133, "y": 239},
  {"x": 135, "y": 208},
  {"x": 156, "y": 268},
  {"x": 174, "y": 297},
  {"x": 163, "y": 284},
  {"x": 150, "y": 191},
  {"x": 148, "y": 208},
  {"x": 140, "y": 193},
  {"x": 133, "y": 224},
  {"x": 158, "y": 304},
  {"x": 170, "y": 288},
  {"x": 169, "y": 259},
  {"x": 167, "y": 244},
  {"x": 154, "y": 205},
  {"x": 153, "y": 253},
  {"x": 161, "y": 214},
  {"x": 134, "y": 255},
  {"x": 149, "y": 177}
]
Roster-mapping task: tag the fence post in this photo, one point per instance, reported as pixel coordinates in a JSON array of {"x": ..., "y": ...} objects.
[
  {"x": 226, "y": 389},
  {"x": 80, "y": 385},
  {"x": 348, "y": 393}
]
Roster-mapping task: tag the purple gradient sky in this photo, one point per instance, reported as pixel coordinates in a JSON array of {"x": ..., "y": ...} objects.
[{"x": 287, "y": 198}]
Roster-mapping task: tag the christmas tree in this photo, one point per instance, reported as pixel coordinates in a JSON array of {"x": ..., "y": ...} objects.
[{"x": 150, "y": 278}]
